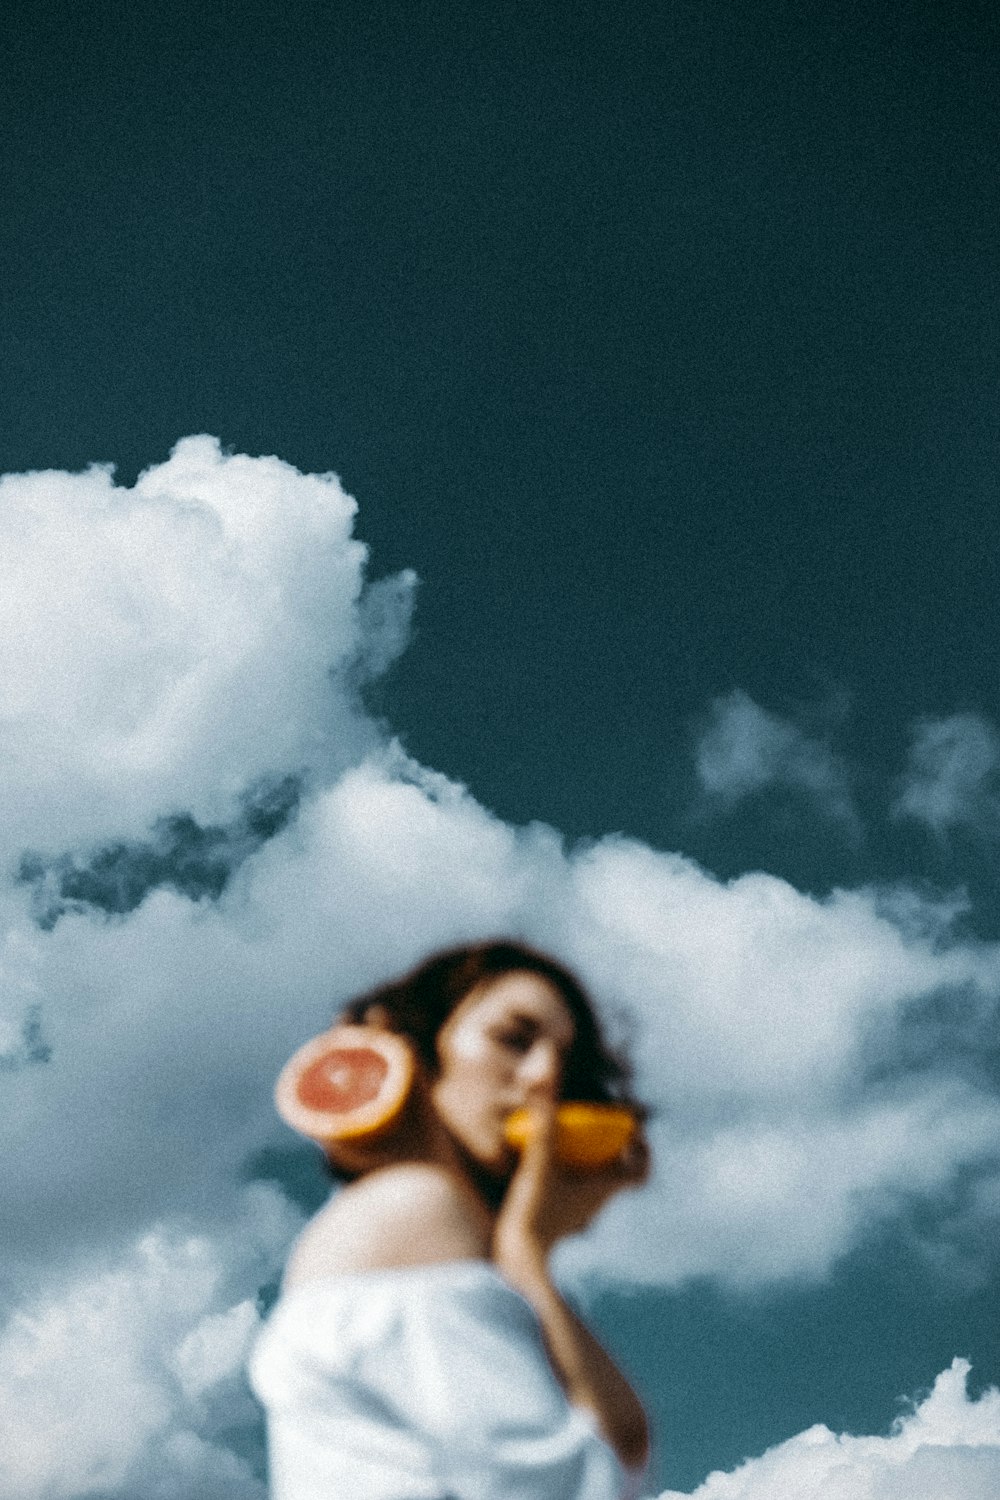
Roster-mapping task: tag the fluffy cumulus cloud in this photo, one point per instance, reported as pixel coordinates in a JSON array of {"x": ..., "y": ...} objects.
[
  {"x": 166, "y": 646},
  {"x": 209, "y": 629},
  {"x": 117, "y": 1380},
  {"x": 743, "y": 749},
  {"x": 952, "y": 778},
  {"x": 948, "y": 1447}
]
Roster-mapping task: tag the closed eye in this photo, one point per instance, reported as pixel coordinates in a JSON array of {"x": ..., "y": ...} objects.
[
  {"x": 519, "y": 1033},
  {"x": 516, "y": 1038}
]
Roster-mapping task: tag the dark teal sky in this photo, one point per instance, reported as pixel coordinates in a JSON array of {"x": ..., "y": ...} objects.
[
  {"x": 663, "y": 345},
  {"x": 660, "y": 339}
]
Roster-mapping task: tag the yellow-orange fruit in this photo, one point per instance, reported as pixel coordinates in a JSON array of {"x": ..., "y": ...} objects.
[
  {"x": 587, "y": 1135},
  {"x": 348, "y": 1083}
]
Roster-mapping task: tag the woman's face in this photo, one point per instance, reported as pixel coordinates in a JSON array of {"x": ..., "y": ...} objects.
[{"x": 506, "y": 1040}]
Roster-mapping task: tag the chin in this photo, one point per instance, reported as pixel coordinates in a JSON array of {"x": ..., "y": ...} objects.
[
  {"x": 496, "y": 1159},
  {"x": 490, "y": 1170}
]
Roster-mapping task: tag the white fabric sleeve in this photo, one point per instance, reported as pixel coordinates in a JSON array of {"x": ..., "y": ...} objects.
[{"x": 426, "y": 1383}]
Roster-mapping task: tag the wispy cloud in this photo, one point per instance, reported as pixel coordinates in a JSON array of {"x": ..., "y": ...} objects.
[
  {"x": 952, "y": 778},
  {"x": 743, "y": 749}
]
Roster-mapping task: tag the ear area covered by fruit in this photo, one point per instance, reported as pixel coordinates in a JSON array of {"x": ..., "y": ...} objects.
[
  {"x": 348, "y": 1084},
  {"x": 588, "y": 1136}
]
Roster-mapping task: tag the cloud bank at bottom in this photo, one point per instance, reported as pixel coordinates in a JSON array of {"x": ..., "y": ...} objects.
[{"x": 947, "y": 1448}]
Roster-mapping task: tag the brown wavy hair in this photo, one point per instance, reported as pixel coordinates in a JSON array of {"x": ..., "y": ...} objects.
[{"x": 420, "y": 1001}]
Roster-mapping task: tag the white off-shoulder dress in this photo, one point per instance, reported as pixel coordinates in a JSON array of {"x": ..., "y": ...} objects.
[{"x": 421, "y": 1383}]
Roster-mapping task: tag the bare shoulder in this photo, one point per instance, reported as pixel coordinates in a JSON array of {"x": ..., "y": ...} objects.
[{"x": 406, "y": 1215}]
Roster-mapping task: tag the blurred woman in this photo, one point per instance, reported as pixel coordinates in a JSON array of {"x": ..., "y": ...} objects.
[{"x": 420, "y": 1349}]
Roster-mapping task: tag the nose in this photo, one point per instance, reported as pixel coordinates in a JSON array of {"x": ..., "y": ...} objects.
[{"x": 541, "y": 1065}]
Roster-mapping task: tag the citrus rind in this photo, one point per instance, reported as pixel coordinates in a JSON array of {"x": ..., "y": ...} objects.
[{"x": 587, "y": 1135}]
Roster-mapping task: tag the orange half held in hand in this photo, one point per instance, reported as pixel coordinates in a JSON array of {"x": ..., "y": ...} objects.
[
  {"x": 348, "y": 1084},
  {"x": 588, "y": 1136}
]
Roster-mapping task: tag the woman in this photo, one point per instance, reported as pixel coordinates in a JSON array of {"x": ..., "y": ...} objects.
[{"x": 420, "y": 1349}]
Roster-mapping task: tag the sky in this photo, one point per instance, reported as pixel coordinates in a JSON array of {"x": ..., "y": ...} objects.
[{"x": 535, "y": 471}]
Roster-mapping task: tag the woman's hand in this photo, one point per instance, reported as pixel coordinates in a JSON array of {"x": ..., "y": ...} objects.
[{"x": 546, "y": 1201}]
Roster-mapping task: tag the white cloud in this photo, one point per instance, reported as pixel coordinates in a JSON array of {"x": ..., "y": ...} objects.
[
  {"x": 768, "y": 1024},
  {"x": 759, "y": 1200},
  {"x": 951, "y": 779},
  {"x": 165, "y": 646},
  {"x": 215, "y": 1348},
  {"x": 744, "y": 748},
  {"x": 948, "y": 1447},
  {"x": 108, "y": 1382}
]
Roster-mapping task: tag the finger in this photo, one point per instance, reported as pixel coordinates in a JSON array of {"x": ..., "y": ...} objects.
[
  {"x": 539, "y": 1150},
  {"x": 543, "y": 1105}
]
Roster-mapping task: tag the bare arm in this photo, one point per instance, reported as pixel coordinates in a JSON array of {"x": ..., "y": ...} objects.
[
  {"x": 588, "y": 1374},
  {"x": 543, "y": 1204}
]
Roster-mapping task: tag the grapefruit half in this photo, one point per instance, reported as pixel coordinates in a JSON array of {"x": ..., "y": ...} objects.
[
  {"x": 349, "y": 1083},
  {"x": 587, "y": 1135}
]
